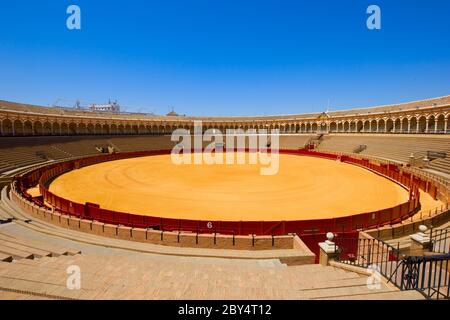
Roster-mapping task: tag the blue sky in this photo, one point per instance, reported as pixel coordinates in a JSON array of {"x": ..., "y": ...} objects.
[{"x": 225, "y": 57}]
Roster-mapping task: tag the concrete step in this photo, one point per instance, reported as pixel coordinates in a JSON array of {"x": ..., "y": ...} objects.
[
  {"x": 54, "y": 250},
  {"x": 393, "y": 295},
  {"x": 348, "y": 292},
  {"x": 16, "y": 253},
  {"x": 37, "y": 253},
  {"x": 5, "y": 257}
]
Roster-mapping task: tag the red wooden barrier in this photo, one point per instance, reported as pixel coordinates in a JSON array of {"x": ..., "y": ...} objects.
[{"x": 317, "y": 226}]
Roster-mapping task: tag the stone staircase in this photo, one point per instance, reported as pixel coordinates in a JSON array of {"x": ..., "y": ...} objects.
[
  {"x": 122, "y": 277},
  {"x": 117, "y": 269}
]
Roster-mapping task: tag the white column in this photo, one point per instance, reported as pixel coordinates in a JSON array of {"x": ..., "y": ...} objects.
[{"x": 328, "y": 250}]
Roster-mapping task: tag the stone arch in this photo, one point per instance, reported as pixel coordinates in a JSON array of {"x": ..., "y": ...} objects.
[
  {"x": 292, "y": 128},
  {"x": 56, "y": 129},
  {"x": 366, "y": 127},
  {"x": 47, "y": 129},
  {"x": 381, "y": 126},
  {"x": 359, "y": 126},
  {"x": 308, "y": 127},
  {"x": 448, "y": 123},
  {"x": 7, "y": 127},
  {"x": 422, "y": 124},
  {"x": 333, "y": 127},
  {"x": 389, "y": 125},
  {"x": 105, "y": 129},
  {"x": 413, "y": 124},
  {"x": 431, "y": 122},
  {"x": 98, "y": 128},
  {"x": 346, "y": 126},
  {"x": 82, "y": 129},
  {"x": 27, "y": 128},
  {"x": 18, "y": 128},
  {"x": 352, "y": 126},
  {"x": 404, "y": 125},
  {"x": 120, "y": 129},
  {"x": 302, "y": 128},
  {"x": 38, "y": 128},
  {"x": 64, "y": 128},
  {"x": 90, "y": 128},
  {"x": 397, "y": 125},
  {"x": 373, "y": 125},
  {"x": 440, "y": 119},
  {"x": 73, "y": 128}
]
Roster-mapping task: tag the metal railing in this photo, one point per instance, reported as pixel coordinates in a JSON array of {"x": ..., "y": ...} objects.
[
  {"x": 368, "y": 253},
  {"x": 429, "y": 275},
  {"x": 440, "y": 240}
]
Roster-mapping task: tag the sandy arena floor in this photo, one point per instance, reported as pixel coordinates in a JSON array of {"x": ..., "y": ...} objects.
[{"x": 304, "y": 188}]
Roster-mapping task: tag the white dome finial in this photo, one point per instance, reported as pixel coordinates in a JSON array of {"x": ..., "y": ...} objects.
[
  {"x": 423, "y": 228},
  {"x": 330, "y": 236}
]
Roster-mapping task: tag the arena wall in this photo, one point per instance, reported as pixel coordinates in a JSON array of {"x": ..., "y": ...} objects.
[
  {"x": 345, "y": 224},
  {"x": 148, "y": 235}
]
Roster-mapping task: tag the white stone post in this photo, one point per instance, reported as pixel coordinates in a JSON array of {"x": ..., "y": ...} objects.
[
  {"x": 328, "y": 250},
  {"x": 420, "y": 242}
]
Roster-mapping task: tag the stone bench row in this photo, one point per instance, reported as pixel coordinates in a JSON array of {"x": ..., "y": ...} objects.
[{"x": 169, "y": 238}]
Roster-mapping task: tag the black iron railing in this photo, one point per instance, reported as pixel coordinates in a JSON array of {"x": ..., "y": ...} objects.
[
  {"x": 368, "y": 252},
  {"x": 440, "y": 241},
  {"x": 430, "y": 275}
]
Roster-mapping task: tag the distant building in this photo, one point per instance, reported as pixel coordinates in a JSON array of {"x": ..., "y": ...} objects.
[
  {"x": 111, "y": 107},
  {"x": 173, "y": 114}
]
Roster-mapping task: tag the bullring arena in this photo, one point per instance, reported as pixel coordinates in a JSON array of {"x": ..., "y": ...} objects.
[
  {"x": 354, "y": 189},
  {"x": 304, "y": 188}
]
